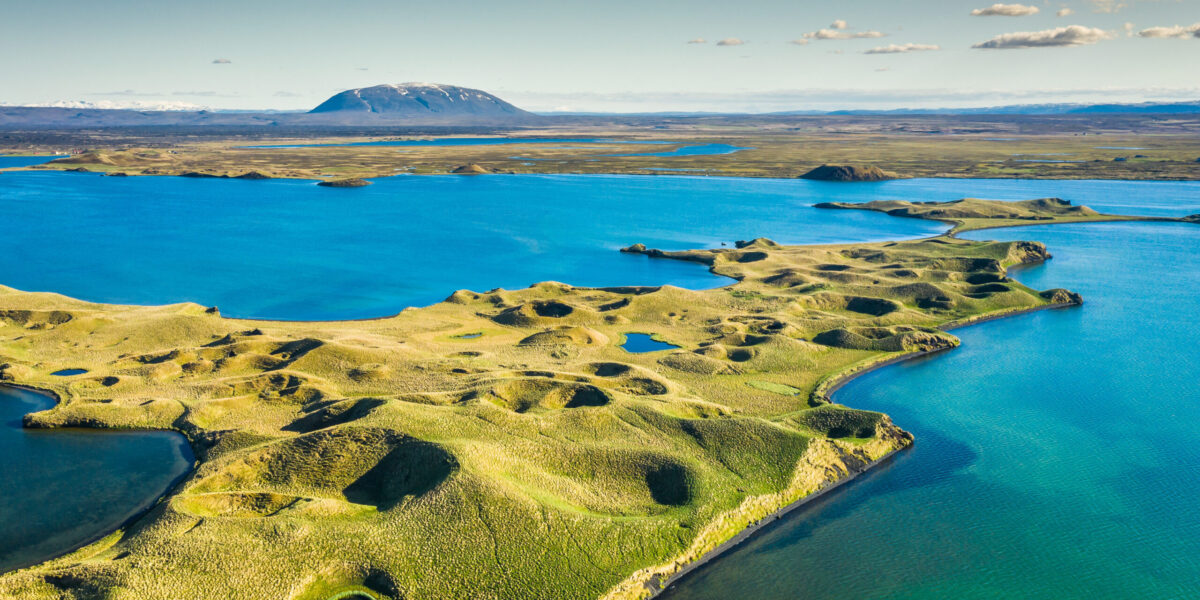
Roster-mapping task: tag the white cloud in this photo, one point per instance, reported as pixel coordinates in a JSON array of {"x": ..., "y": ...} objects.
[
  {"x": 838, "y": 24},
  {"x": 1107, "y": 6},
  {"x": 222, "y": 61},
  {"x": 819, "y": 98},
  {"x": 697, "y": 41},
  {"x": 1074, "y": 35},
  {"x": 1005, "y": 10},
  {"x": 799, "y": 42},
  {"x": 833, "y": 34},
  {"x": 902, "y": 48},
  {"x": 730, "y": 42},
  {"x": 1065, "y": 12},
  {"x": 1175, "y": 31}
]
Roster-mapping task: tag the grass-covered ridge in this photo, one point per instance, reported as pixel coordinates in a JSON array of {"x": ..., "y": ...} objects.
[
  {"x": 973, "y": 213},
  {"x": 538, "y": 460}
]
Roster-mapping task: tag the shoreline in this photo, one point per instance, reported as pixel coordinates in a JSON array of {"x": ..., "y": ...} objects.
[
  {"x": 150, "y": 505},
  {"x": 709, "y": 173},
  {"x": 826, "y": 389},
  {"x": 767, "y": 521}
]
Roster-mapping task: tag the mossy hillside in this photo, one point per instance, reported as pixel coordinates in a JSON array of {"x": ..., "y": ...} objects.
[{"x": 538, "y": 459}]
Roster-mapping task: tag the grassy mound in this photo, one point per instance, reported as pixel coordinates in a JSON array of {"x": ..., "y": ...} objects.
[
  {"x": 846, "y": 173},
  {"x": 840, "y": 422}
]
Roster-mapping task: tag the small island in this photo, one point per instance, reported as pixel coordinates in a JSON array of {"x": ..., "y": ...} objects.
[
  {"x": 848, "y": 173},
  {"x": 345, "y": 183}
]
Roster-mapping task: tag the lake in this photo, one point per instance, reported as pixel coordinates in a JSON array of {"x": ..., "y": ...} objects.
[
  {"x": 291, "y": 250},
  {"x": 288, "y": 249},
  {"x": 470, "y": 141},
  {"x": 64, "y": 488},
  {"x": 1056, "y": 453}
]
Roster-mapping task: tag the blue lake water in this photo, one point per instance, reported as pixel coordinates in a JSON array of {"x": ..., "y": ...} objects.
[
  {"x": 467, "y": 141},
  {"x": 64, "y": 488},
  {"x": 1056, "y": 453},
  {"x": 641, "y": 342},
  {"x": 292, "y": 250},
  {"x": 10, "y": 162}
]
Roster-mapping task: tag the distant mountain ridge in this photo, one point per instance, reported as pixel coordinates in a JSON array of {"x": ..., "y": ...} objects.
[
  {"x": 439, "y": 106},
  {"x": 421, "y": 102}
]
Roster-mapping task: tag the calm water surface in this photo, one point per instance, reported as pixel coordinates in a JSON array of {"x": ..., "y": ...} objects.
[
  {"x": 466, "y": 141},
  {"x": 641, "y": 342},
  {"x": 64, "y": 488},
  {"x": 292, "y": 250},
  {"x": 1056, "y": 453},
  {"x": 9, "y": 162}
]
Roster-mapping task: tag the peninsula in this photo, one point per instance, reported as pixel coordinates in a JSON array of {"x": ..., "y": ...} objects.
[{"x": 500, "y": 443}]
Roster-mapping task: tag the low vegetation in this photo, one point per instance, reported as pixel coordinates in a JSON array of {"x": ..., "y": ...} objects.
[
  {"x": 972, "y": 213},
  {"x": 1146, "y": 147},
  {"x": 498, "y": 444}
]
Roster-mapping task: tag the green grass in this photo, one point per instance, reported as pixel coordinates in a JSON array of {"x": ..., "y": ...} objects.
[{"x": 540, "y": 460}]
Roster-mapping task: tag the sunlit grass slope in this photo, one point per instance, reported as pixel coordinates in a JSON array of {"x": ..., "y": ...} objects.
[{"x": 396, "y": 458}]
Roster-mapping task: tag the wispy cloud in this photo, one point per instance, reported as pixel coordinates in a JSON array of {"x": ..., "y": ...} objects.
[
  {"x": 1175, "y": 31},
  {"x": 222, "y": 61},
  {"x": 1005, "y": 10},
  {"x": 1074, "y": 35},
  {"x": 1065, "y": 12},
  {"x": 838, "y": 98},
  {"x": 126, "y": 93},
  {"x": 902, "y": 48},
  {"x": 697, "y": 41},
  {"x": 838, "y": 24},
  {"x": 731, "y": 42},
  {"x": 1107, "y": 6},
  {"x": 800, "y": 42},
  {"x": 838, "y": 34}
]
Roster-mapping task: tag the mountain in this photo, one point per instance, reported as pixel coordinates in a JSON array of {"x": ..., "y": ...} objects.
[{"x": 420, "y": 102}]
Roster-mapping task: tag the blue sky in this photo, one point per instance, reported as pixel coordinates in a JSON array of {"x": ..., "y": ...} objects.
[{"x": 611, "y": 55}]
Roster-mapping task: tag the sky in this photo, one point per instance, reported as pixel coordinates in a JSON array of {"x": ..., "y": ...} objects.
[{"x": 603, "y": 56}]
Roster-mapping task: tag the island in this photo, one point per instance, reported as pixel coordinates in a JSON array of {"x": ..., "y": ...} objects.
[{"x": 502, "y": 443}]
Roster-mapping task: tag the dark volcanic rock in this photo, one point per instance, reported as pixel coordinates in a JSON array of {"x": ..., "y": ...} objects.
[
  {"x": 848, "y": 173},
  {"x": 253, "y": 175},
  {"x": 345, "y": 183}
]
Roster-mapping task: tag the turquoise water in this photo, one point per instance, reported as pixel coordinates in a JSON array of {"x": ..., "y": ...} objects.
[
  {"x": 64, "y": 488},
  {"x": 1056, "y": 453},
  {"x": 641, "y": 342},
  {"x": 9, "y": 162},
  {"x": 291, "y": 250}
]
